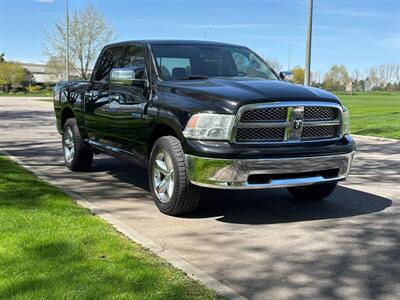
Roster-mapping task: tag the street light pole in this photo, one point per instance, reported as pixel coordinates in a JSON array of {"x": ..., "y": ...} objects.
[
  {"x": 307, "y": 71},
  {"x": 67, "y": 42},
  {"x": 205, "y": 31}
]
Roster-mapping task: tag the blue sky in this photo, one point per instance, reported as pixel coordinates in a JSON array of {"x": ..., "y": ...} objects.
[{"x": 357, "y": 33}]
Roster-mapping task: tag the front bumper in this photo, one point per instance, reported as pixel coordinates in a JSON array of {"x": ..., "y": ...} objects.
[{"x": 267, "y": 173}]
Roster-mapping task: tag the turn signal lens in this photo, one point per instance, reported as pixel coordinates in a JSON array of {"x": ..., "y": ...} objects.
[{"x": 345, "y": 121}]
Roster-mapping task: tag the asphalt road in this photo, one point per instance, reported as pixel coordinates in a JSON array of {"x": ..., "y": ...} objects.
[{"x": 262, "y": 244}]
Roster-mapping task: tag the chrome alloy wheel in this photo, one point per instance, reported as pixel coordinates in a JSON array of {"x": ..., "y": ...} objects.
[
  {"x": 69, "y": 147},
  {"x": 163, "y": 176}
]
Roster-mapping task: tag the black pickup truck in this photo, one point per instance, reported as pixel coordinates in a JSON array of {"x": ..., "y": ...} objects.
[{"x": 204, "y": 115}]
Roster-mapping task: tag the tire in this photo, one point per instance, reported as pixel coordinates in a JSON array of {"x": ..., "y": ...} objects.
[
  {"x": 77, "y": 155},
  {"x": 312, "y": 192},
  {"x": 167, "y": 156}
]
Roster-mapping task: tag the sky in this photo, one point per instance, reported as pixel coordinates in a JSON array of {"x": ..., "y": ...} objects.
[{"x": 356, "y": 33}]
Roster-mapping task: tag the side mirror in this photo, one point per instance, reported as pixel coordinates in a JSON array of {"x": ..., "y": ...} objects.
[
  {"x": 126, "y": 76},
  {"x": 284, "y": 74}
]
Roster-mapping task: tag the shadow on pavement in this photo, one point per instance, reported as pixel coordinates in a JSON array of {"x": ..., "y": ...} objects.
[
  {"x": 239, "y": 207},
  {"x": 277, "y": 206}
]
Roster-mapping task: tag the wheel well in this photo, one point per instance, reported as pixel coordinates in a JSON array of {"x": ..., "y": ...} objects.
[
  {"x": 157, "y": 132},
  {"x": 67, "y": 113}
]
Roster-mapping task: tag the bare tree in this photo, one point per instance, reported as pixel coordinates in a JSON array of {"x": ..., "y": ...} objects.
[
  {"x": 275, "y": 64},
  {"x": 397, "y": 72},
  {"x": 316, "y": 77},
  {"x": 88, "y": 33},
  {"x": 56, "y": 67}
]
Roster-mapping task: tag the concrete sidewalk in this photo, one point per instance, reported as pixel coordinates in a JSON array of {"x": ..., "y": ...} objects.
[{"x": 261, "y": 244}]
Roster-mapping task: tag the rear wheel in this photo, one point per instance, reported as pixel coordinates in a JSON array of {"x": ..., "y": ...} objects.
[
  {"x": 77, "y": 155},
  {"x": 312, "y": 192},
  {"x": 169, "y": 185}
]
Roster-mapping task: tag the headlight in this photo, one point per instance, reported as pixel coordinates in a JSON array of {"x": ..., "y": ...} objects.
[
  {"x": 345, "y": 121},
  {"x": 209, "y": 126}
]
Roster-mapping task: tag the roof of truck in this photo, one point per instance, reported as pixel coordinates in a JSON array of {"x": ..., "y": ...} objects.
[{"x": 173, "y": 42}]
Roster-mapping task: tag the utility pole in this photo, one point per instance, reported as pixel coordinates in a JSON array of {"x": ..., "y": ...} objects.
[
  {"x": 67, "y": 42},
  {"x": 205, "y": 31},
  {"x": 307, "y": 71}
]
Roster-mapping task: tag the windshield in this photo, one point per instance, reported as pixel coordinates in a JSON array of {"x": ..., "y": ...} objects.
[{"x": 182, "y": 62}]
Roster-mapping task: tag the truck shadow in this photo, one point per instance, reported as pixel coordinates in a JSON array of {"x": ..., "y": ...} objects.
[
  {"x": 278, "y": 206},
  {"x": 238, "y": 207},
  {"x": 269, "y": 206}
]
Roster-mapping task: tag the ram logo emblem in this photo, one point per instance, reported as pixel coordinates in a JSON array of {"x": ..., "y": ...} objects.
[{"x": 297, "y": 123}]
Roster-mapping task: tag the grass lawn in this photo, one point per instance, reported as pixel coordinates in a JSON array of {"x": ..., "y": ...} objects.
[
  {"x": 374, "y": 114},
  {"x": 51, "y": 248},
  {"x": 35, "y": 94}
]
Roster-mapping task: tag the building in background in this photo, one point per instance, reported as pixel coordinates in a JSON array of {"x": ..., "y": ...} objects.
[{"x": 43, "y": 75}]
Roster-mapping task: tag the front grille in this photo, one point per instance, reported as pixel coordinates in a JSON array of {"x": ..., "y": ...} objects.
[
  {"x": 297, "y": 122},
  {"x": 317, "y": 113},
  {"x": 264, "y": 115},
  {"x": 320, "y": 132},
  {"x": 260, "y": 134}
]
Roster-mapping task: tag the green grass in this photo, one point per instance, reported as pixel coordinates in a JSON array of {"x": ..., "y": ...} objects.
[
  {"x": 35, "y": 94},
  {"x": 374, "y": 114},
  {"x": 51, "y": 248}
]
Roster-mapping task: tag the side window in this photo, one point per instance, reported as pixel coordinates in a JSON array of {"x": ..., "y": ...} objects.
[
  {"x": 134, "y": 59},
  {"x": 111, "y": 58}
]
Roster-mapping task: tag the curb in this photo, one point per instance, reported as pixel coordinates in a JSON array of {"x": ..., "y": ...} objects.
[{"x": 174, "y": 259}]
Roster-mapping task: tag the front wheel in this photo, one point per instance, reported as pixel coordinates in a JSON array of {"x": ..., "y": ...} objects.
[
  {"x": 169, "y": 185},
  {"x": 77, "y": 155},
  {"x": 312, "y": 192}
]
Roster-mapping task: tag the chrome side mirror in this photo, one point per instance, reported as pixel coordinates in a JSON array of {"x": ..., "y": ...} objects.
[
  {"x": 122, "y": 76},
  {"x": 127, "y": 77},
  {"x": 284, "y": 74}
]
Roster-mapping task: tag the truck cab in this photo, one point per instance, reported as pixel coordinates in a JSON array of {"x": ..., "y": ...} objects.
[{"x": 204, "y": 115}]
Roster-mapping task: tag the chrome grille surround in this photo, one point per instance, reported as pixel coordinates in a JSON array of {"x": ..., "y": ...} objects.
[{"x": 306, "y": 121}]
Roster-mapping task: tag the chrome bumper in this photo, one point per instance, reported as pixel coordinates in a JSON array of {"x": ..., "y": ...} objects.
[{"x": 274, "y": 172}]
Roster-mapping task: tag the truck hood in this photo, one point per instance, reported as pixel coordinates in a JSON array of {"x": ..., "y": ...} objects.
[{"x": 230, "y": 94}]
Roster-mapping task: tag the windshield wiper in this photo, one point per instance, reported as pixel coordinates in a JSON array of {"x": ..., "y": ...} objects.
[{"x": 194, "y": 77}]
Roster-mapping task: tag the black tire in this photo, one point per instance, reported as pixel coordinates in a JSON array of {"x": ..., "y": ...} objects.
[
  {"x": 312, "y": 192},
  {"x": 185, "y": 196},
  {"x": 82, "y": 156}
]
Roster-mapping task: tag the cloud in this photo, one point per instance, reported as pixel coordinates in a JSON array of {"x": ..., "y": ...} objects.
[{"x": 44, "y": 1}]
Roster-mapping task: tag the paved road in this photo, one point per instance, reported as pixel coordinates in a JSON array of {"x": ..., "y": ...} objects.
[{"x": 262, "y": 244}]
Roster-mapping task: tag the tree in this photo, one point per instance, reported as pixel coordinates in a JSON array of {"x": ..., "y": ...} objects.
[
  {"x": 336, "y": 78},
  {"x": 11, "y": 73},
  {"x": 56, "y": 67},
  {"x": 275, "y": 64},
  {"x": 28, "y": 79},
  {"x": 2, "y": 58},
  {"x": 88, "y": 33},
  {"x": 298, "y": 75}
]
